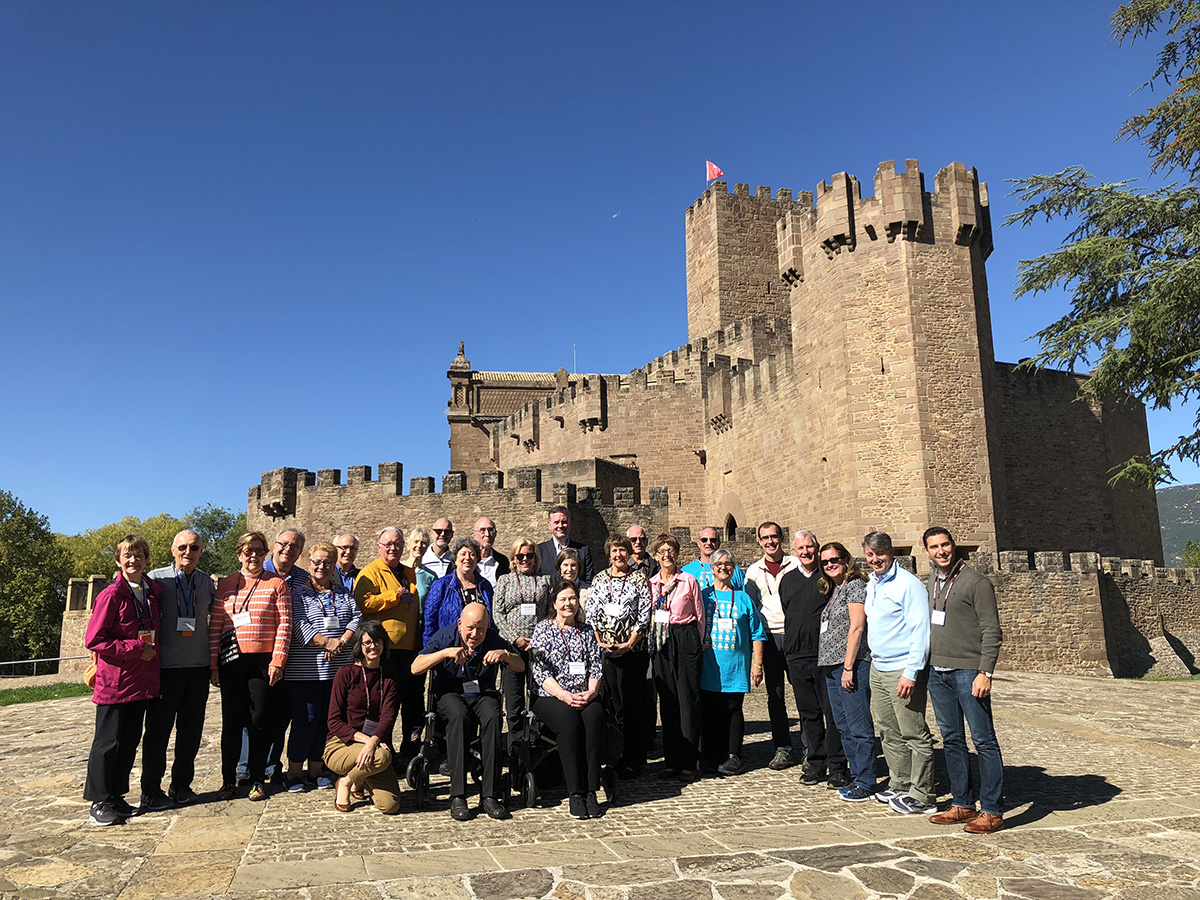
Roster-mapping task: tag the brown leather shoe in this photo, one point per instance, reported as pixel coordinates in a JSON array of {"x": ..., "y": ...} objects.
[
  {"x": 954, "y": 815},
  {"x": 984, "y": 823}
]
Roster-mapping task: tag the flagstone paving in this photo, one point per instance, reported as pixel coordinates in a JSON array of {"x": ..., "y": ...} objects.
[{"x": 1102, "y": 801}]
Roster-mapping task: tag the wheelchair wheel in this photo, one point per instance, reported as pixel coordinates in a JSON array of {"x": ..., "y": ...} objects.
[
  {"x": 419, "y": 779},
  {"x": 611, "y": 783},
  {"x": 411, "y": 774},
  {"x": 529, "y": 791}
]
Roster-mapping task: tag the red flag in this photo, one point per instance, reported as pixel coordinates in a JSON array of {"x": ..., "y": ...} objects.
[{"x": 712, "y": 169}]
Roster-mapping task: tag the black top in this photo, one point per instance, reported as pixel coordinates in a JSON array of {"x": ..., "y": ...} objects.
[
  {"x": 449, "y": 676},
  {"x": 802, "y": 602}
]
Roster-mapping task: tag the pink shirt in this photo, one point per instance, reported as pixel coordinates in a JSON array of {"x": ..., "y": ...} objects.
[{"x": 682, "y": 597}]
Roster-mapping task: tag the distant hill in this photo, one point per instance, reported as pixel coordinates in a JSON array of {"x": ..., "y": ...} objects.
[{"x": 1179, "y": 518}]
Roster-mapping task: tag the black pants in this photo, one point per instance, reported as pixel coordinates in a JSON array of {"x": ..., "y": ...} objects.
[
  {"x": 279, "y": 700},
  {"x": 515, "y": 697},
  {"x": 724, "y": 725},
  {"x": 310, "y": 720},
  {"x": 625, "y": 682},
  {"x": 114, "y": 749},
  {"x": 463, "y": 715},
  {"x": 580, "y": 734},
  {"x": 245, "y": 704},
  {"x": 775, "y": 674},
  {"x": 410, "y": 695},
  {"x": 677, "y": 680},
  {"x": 181, "y": 707},
  {"x": 822, "y": 742}
]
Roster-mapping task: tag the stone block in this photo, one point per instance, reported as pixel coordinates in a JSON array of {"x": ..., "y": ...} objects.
[
  {"x": 1085, "y": 562},
  {"x": 564, "y": 494},
  {"x": 454, "y": 482},
  {"x": 491, "y": 481},
  {"x": 624, "y": 496},
  {"x": 1049, "y": 561},
  {"x": 1014, "y": 560},
  {"x": 392, "y": 474},
  {"x": 421, "y": 485},
  {"x": 660, "y": 497},
  {"x": 329, "y": 477},
  {"x": 358, "y": 474}
]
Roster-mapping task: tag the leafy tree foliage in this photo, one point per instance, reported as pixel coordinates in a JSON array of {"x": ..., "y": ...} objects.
[
  {"x": 1131, "y": 263},
  {"x": 1191, "y": 555},
  {"x": 33, "y": 582},
  {"x": 220, "y": 528}
]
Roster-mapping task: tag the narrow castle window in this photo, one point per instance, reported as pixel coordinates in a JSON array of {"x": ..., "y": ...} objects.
[{"x": 730, "y": 528}]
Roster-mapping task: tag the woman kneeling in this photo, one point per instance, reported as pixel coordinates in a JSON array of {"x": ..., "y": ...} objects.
[{"x": 362, "y": 711}]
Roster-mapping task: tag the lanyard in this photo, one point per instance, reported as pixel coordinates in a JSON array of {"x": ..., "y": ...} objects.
[
  {"x": 189, "y": 595},
  {"x": 665, "y": 592},
  {"x": 716, "y": 595},
  {"x": 464, "y": 670},
  {"x": 946, "y": 595},
  {"x": 367, "y": 689},
  {"x": 140, "y": 603},
  {"x": 332, "y": 602},
  {"x": 624, "y": 582},
  {"x": 253, "y": 587},
  {"x": 562, "y": 634}
]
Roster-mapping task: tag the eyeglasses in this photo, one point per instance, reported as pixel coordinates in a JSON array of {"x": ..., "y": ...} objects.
[
  {"x": 708, "y": 541},
  {"x": 393, "y": 545},
  {"x": 529, "y": 556},
  {"x": 719, "y": 566},
  {"x": 289, "y": 545},
  {"x": 344, "y": 549},
  {"x": 445, "y": 531},
  {"x": 832, "y": 563},
  {"x": 485, "y": 530},
  {"x": 769, "y": 538},
  {"x": 320, "y": 563},
  {"x": 667, "y": 551},
  {"x": 254, "y": 551},
  {"x": 640, "y": 540},
  {"x": 195, "y": 548}
]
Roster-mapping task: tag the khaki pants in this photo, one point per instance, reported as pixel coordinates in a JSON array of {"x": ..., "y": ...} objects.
[
  {"x": 907, "y": 743},
  {"x": 379, "y": 778}
]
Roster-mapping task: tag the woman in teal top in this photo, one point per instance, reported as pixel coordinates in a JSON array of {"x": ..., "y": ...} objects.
[{"x": 732, "y": 661}]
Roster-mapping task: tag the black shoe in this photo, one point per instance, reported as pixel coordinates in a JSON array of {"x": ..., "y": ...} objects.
[
  {"x": 458, "y": 809},
  {"x": 124, "y": 810},
  {"x": 592, "y": 805},
  {"x": 156, "y": 801},
  {"x": 183, "y": 796},
  {"x": 838, "y": 779},
  {"x": 732, "y": 766},
  {"x": 103, "y": 814},
  {"x": 628, "y": 773},
  {"x": 495, "y": 809},
  {"x": 812, "y": 775},
  {"x": 577, "y": 807}
]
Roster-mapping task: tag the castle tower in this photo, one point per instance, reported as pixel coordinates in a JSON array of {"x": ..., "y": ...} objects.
[
  {"x": 893, "y": 354},
  {"x": 732, "y": 257}
]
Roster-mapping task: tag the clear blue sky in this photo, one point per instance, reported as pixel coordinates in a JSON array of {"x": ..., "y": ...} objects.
[{"x": 236, "y": 236}]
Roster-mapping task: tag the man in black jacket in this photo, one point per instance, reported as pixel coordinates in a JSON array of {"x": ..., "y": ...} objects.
[{"x": 803, "y": 595}]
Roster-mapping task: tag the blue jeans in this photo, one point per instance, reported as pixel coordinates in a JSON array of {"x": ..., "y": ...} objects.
[
  {"x": 950, "y": 693},
  {"x": 852, "y": 714}
]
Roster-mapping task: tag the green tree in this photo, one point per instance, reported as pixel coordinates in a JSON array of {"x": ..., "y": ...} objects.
[
  {"x": 1191, "y": 555},
  {"x": 1131, "y": 263},
  {"x": 33, "y": 582},
  {"x": 93, "y": 552},
  {"x": 220, "y": 528}
]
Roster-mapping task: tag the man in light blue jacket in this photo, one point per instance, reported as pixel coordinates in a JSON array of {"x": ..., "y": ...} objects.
[{"x": 897, "y": 607}]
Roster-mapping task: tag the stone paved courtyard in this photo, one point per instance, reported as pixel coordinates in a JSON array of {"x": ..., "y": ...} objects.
[{"x": 1103, "y": 800}]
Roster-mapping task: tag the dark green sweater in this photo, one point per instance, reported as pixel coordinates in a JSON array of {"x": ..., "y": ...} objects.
[{"x": 971, "y": 636}]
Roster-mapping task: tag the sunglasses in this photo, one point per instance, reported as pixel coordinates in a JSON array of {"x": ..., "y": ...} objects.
[
  {"x": 831, "y": 563},
  {"x": 521, "y": 556}
]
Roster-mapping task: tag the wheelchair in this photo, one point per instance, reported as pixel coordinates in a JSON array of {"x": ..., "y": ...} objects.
[
  {"x": 433, "y": 751},
  {"x": 533, "y": 757}
]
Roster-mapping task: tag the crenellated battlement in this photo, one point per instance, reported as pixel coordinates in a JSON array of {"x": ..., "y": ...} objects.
[{"x": 719, "y": 190}]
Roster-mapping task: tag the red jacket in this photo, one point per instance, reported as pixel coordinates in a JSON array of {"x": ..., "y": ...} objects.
[{"x": 122, "y": 676}]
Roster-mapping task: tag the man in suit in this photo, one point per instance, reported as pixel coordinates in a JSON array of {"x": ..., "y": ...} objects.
[
  {"x": 492, "y": 563},
  {"x": 560, "y": 529}
]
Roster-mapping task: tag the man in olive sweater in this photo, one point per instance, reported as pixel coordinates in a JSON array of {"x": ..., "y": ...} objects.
[{"x": 963, "y": 646}]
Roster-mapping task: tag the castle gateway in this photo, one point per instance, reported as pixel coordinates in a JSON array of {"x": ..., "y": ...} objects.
[{"x": 839, "y": 376}]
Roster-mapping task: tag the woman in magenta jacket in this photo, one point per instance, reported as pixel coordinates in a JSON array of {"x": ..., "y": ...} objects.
[{"x": 123, "y": 634}]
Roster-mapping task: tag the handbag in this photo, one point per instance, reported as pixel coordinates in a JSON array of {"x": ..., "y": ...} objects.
[{"x": 228, "y": 650}]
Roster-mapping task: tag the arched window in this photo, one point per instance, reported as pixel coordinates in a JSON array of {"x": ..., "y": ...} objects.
[{"x": 730, "y": 528}]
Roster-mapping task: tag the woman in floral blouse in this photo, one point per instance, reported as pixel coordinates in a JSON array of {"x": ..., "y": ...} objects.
[
  {"x": 567, "y": 671},
  {"x": 521, "y": 600},
  {"x": 618, "y": 608}
]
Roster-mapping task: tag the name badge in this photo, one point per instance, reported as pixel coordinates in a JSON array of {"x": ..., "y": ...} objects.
[
  {"x": 614, "y": 610},
  {"x": 529, "y": 609},
  {"x": 576, "y": 668},
  {"x": 370, "y": 726},
  {"x": 470, "y": 688},
  {"x": 186, "y": 627},
  {"x": 724, "y": 624},
  {"x": 147, "y": 637},
  {"x": 824, "y": 625},
  {"x": 331, "y": 622},
  {"x": 662, "y": 616},
  {"x": 242, "y": 619},
  {"x": 938, "y": 617}
]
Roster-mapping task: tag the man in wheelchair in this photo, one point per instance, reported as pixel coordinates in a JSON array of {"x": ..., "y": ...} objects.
[{"x": 465, "y": 658}]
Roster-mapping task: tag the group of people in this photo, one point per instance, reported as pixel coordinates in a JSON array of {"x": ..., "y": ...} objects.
[{"x": 341, "y": 655}]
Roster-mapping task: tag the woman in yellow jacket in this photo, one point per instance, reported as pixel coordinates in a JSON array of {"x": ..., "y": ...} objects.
[{"x": 386, "y": 590}]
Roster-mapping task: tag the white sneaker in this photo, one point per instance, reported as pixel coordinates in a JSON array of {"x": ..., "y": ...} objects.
[
  {"x": 886, "y": 795},
  {"x": 909, "y": 805}
]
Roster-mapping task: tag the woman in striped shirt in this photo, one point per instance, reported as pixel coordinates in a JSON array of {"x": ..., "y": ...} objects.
[
  {"x": 248, "y": 638},
  {"x": 324, "y": 622}
]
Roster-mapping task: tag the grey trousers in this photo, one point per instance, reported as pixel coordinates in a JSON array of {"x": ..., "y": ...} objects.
[{"x": 907, "y": 743}]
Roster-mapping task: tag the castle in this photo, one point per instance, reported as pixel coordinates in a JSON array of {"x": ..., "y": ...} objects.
[{"x": 838, "y": 376}]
